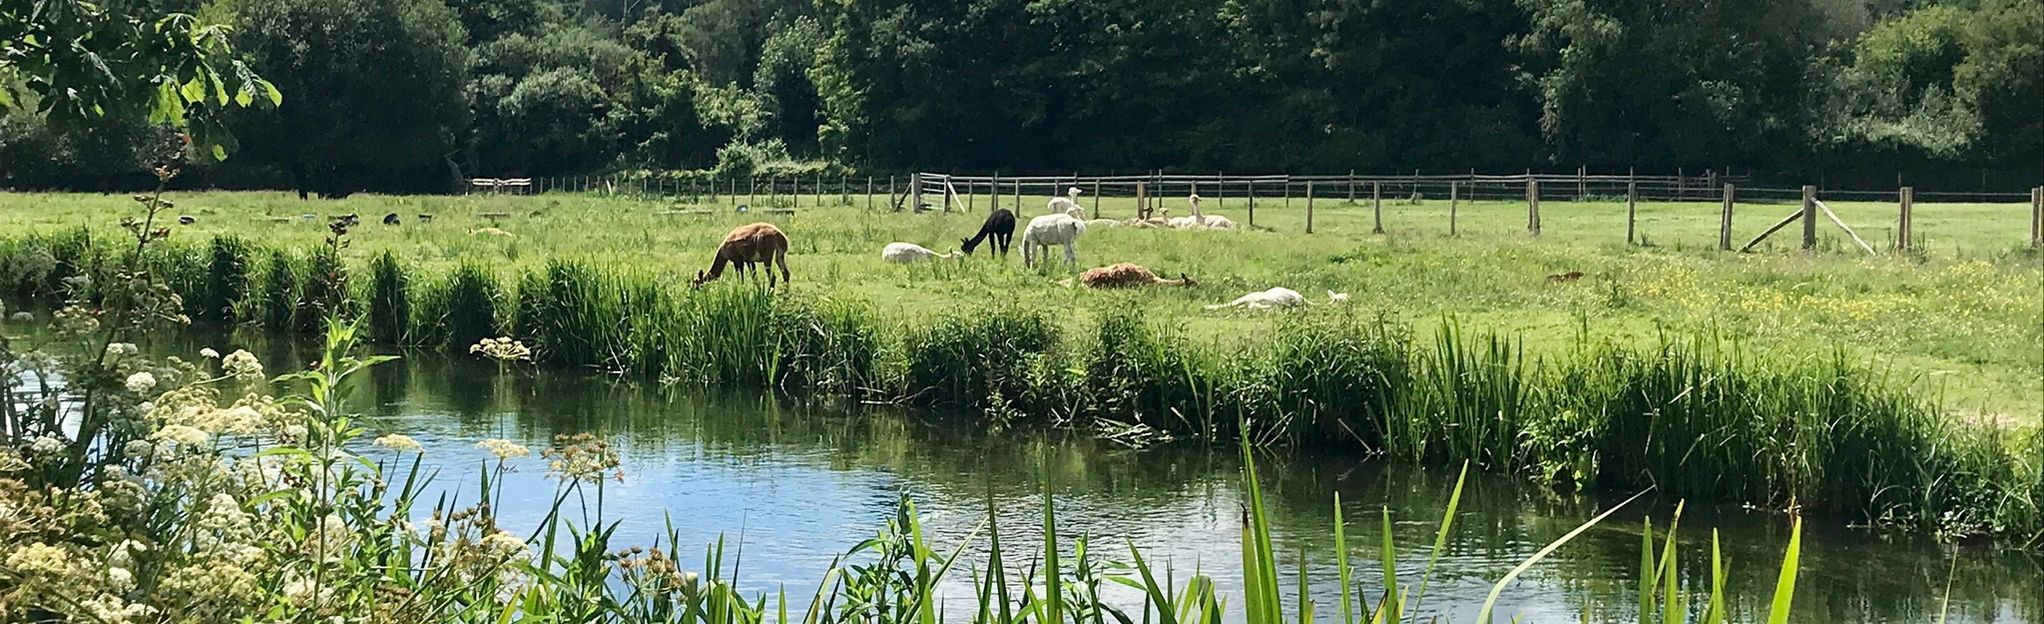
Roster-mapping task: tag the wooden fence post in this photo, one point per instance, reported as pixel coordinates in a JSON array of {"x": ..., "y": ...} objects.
[
  {"x": 1454, "y": 204},
  {"x": 1725, "y": 219},
  {"x": 1809, "y": 217},
  {"x": 1631, "y": 211},
  {"x": 869, "y": 193},
  {"x": 891, "y": 191},
  {"x": 1902, "y": 224},
  {"x": 1252, "y": 203},
  {"x": 1309, "y": 206},
  {"x": 1376, "y": 207},
  {"x": 1096, "y": 198},
  {"x": 1288, "y": 192},
  {"x": 751, "y": 190},
  {"x": 1533, "y": 207},
  {"x": 915, "y": 191},
  {"x": 1018, "y": 197},
  {"x": 1142, "y": 200},
  {"x": 2037, "y": 218},
  {"x": 1221, "y": 185},
  {"x": 1351, "y": 186},
  {"x": 1582, "y": 188}
]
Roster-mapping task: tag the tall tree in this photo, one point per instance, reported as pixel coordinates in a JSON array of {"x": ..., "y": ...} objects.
[{"x": 379, "y": 84}]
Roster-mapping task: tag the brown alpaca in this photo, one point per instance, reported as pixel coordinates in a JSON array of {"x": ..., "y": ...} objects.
[
  {"x": 760, "y": 243},
  {"x": 1563, "y": 278},
  {"x": 1126, "y": 275}
]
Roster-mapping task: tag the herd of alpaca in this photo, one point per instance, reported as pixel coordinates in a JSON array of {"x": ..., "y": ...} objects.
[{"x": 764, "y": 244}]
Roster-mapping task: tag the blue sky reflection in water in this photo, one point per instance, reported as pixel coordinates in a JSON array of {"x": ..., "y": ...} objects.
[{"x": 796, "y": 485}]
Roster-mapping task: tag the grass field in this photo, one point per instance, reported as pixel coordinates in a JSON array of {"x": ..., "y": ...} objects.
[{"x": 1962, "y": 318}]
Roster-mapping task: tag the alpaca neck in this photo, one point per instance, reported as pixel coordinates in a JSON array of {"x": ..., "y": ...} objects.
[{"x": 716, "y": 268}]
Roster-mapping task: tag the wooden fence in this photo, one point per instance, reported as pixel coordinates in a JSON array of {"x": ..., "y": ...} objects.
[{"x": 980, "y": 193}]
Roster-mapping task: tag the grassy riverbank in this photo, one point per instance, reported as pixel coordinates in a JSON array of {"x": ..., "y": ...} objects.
[
  {"x": 1696, "y": 413},
  {"x": 1958, "y": 321}
]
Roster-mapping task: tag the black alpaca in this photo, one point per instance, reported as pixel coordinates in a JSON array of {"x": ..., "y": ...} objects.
[{"x": 1000, "y": 224}]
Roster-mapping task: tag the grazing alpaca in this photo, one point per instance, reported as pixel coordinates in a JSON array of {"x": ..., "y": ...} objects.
[
  {"x": 904, "y": 253},
  {"x": 1104, "y": 223},
  {"x": 1051, "y": 229},
  {"x": 1127, "y": 275},
  {"x": 759, "y": 243},
  {"x": 1068, "y": 205},
  {"x": 491, "y": 231},
  {"x": 187, "y": 220},
  {"x": 1000, "y": 225},
  {"x": 390, "y": 219}
]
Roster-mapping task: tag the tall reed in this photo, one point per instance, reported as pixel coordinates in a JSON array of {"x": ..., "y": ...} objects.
[
  {"x": 390, "y": 300},
  {"x": 230, "y": 264}
]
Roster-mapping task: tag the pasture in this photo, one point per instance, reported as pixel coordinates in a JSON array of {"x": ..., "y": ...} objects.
[{"x": 1956, "y": 319}]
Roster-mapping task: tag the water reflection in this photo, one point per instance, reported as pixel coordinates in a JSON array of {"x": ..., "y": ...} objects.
[{"x": 795, "y": 484}]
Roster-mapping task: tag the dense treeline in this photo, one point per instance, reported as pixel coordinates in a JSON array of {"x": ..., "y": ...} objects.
[{"x": 410, "y": 95}]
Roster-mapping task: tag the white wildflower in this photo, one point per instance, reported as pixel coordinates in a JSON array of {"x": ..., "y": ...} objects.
[
  {"x": 141, "y": 382},
  {"x": 121, "y": 349},
  {"x": 398, "y": 442},
  {"x": 39, "y": 559},
  {"x": 120, "y": 578},
  {"x": 138, "y": 450},
  {"x": 242, "y": 365},
  {"x": 208, "y": 352},
  {"x": 182, "y": 434},
  {"x": 503, "y": 546},
  {"x": 46, "y": 445},
  {"x": 504, "y": 449}
]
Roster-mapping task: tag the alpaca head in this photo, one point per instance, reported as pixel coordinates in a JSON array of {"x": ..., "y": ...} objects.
[
  {"x": 965, "y": 246},
  {"x": 700, "y": 278},
  {"x": 1194, "y": 199},
  {"x": 1073, "y": 192}
]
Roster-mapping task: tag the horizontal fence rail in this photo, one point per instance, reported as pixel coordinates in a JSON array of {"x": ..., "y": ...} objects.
[{"x": 979, "y": 193}]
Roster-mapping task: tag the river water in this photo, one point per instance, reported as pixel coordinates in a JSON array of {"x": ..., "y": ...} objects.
[{"x": 792, "y": 486}]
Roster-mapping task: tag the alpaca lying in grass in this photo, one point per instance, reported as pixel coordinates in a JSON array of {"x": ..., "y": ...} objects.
[
  {"x": 1128, "y": 275},
  {"x": 1048, "y": 230},
  {"x": 1200, "y": 220},
  {"x": 1276, "y": 298},
  {"x": 904, "y": 253},
  {"x": 759, "y": 243},
  {"x": 1000, "y": 226}
]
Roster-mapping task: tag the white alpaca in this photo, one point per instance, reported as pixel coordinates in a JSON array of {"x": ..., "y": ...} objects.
[
  {"x": 1048, "y": 230},
  {"x": 1068, "y": 205},
  {"x": 903, "y": 253},
  {"x": 1276, "y": 298},
  {"x": 1103, "y": 223},
  {"x": 1200, "y": 220}
]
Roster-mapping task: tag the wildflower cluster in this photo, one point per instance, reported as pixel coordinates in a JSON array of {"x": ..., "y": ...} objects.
[
  {"x": 582, "y": 458},
  {"x": 501, "y": 349}
]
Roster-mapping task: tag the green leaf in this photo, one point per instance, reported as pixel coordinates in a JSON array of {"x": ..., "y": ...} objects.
[
  {"x": 1491, "y": 601},
  {"x": 1785, "y": 586}
]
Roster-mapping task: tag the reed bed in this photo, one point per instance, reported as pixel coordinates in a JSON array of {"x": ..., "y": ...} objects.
[{"x": 1694, "y": 416}]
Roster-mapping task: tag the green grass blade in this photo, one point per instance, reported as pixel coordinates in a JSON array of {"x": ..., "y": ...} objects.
[
  {"x": 1490, "y": 602},
  {"x": 1348, "y": 610},
  {"x": 1717, "y": 581},
  {"x": 1785, "y": 586},
  {"x": 1649, "y": 576},
  {"x": 1393, "y": 607},
  {"x": 1441, "y": 537}
]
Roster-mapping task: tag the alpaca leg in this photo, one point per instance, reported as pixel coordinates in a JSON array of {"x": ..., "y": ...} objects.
[
  {"x": 1028, "y": 253},
  {"x": 781, "y": 257},
  {"x": 1072, "y": 255}
]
